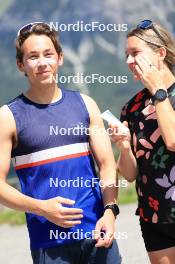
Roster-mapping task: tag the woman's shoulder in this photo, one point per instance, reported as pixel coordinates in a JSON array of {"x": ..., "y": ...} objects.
[{"x": 135, "y": 101}]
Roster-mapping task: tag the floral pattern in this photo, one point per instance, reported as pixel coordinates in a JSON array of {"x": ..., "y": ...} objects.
[
  {"x": 172, "y": 213},
  {"x": 160, "y": 158},
  {"x": 155, "y": 183},
  {"x": 153, "y": 203},
  {"x": 168, "y": 183}
]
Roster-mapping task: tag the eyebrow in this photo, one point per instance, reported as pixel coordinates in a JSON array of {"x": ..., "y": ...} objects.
[
  {"x": 132, "y": 49},
  {"x": 34, "y": 51}
]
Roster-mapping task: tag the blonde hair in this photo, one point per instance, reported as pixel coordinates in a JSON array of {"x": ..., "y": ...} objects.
[{"x": 153, "y": 41}]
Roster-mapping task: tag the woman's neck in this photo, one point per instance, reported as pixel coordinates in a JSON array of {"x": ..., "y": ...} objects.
[{"x": 169, "y": 78}]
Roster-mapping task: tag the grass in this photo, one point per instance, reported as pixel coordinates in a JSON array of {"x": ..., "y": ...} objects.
[
  {"x": 11, "y": 217},
  {"x": 127, "y": 195}
]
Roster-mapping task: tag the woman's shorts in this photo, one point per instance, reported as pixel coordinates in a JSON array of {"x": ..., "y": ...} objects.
[{"x": 157, "y": 236}]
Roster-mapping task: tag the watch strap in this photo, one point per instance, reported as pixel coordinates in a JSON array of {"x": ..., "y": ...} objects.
[
  {"x": 156, "y": 96},
  {"x": 114, "y": 207}
]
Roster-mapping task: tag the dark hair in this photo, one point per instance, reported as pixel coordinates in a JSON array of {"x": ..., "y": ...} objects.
[
  {"x": 37, "y": 29},
  {"x": 154, "y": 41}
]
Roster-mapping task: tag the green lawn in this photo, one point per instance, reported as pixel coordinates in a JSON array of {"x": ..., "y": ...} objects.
[
  {"x": 12, "y": 217},
  {"x": 127, "y": 195}
]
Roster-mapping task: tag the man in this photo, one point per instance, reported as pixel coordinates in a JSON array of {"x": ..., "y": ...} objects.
[{"x": 49, "y": 162}]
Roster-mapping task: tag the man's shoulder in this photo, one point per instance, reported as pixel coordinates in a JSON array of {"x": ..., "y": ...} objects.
[
  {"x": 4, "y": 111},
  {"x": 88, "y": 99},
  {"x": 14, "y": 100},
  {"x": 91, "y": 106},
  {"x": 69, "y": 90},
  {"x": 6, "y": 118},
  {"x": 84, "y": 96},
  {"x": 89, "y": 102}
]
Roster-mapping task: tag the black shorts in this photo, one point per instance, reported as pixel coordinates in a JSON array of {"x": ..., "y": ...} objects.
[
  {"x": 83, "y": 251},
  {"x": 157, "y": 236}
]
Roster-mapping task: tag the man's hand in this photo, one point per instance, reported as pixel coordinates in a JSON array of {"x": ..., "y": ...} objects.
[
  {"x": 55, "y": 212},
  {"x": 104, "y": 230}
]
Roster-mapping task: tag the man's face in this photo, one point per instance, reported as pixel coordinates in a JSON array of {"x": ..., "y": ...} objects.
[
  {"x": 135, "y": 46},
  {"x": 40, "y": 60}
]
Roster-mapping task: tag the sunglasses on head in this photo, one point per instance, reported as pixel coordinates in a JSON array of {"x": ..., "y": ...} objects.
[
  {"x": 28, "y": 27},
  {"x": 148, "y": 24}
]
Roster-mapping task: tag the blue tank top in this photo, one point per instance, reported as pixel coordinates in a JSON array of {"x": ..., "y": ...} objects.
[{"x": 53, "y": 159}]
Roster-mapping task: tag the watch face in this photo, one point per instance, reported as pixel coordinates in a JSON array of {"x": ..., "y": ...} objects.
[{"x": 161, "y": 95}]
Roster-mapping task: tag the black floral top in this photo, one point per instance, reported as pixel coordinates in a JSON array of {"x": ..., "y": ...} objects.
[{"x": 155, "y": 183}]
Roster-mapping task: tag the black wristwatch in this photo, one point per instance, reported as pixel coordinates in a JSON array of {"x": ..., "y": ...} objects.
[
  {"x": 113, "y": 207},
  {"x": 160, "y": 95}
]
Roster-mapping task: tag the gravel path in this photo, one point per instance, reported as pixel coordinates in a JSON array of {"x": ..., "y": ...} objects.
[{"x": 14, "y": 242}]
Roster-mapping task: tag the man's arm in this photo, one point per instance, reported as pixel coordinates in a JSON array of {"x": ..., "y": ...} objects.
[
  {"x": 9, "y": 196},
  {"x": 102, "y": 151},
  {"x": 51, "y": 209},
  {"x": 101, "y": 148}
]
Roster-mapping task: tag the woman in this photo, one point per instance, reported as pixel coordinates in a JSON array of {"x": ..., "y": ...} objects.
[{"x": 149, "y": 157}]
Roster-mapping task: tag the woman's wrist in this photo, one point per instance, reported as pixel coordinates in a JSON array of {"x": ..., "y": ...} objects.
[{"x": 124, "y": 148}]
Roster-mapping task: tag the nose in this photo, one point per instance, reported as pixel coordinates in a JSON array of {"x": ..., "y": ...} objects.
[
  {"x": 130, "y": 59},
  {"x": 42, "y": 61}
]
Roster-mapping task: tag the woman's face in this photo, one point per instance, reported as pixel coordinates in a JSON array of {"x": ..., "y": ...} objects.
[{"x": 135, "y": 46}]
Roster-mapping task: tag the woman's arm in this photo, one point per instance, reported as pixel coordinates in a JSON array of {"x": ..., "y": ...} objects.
[{"x": 126, "y": 163}]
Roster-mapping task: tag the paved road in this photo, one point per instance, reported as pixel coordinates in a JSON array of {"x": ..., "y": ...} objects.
[
  {"x": 132, "y": 249},
  {"x": 14, "y": 243}
]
